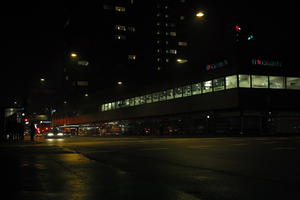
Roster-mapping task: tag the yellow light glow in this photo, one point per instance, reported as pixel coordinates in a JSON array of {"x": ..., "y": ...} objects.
[
  {"x": 73, "y": 55},
  {"x": 120, "y": 83},
  {"x": 180, "y": 61},
  {"x": 200, "y": 14}
]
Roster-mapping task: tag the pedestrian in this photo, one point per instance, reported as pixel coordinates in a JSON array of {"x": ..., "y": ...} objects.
[{"x": 32, "y": 131}]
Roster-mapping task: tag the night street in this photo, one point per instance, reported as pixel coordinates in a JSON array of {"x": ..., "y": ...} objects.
[{"x": 88, "y": 168}]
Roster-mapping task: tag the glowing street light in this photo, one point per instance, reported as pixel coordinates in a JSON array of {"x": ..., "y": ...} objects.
[
  {"x": 42, "y": 80},
  {"x": 120, "y": 83},
  {"x": 200, "y": 14}
]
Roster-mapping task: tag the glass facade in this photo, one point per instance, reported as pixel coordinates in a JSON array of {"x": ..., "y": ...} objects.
[
  {"x": 207, "y": 86},
  {"x": 293, "y": 83},
  {"x": 231, "y": 81},
  {"x": 219, "y": 84},
  {"x": 228, "y": 82},
  {"x": 276, "y": 82},
  {"x": 259, "y": 81},
  {"x": 178, "y": 92},
  {"x": 186, "y": 91},
  {"x": 196, "y": 88},
  {"x": 244, "y": 81}
]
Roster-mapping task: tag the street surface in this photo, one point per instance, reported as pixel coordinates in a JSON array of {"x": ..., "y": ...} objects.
[{"x": 152, "y": 168}]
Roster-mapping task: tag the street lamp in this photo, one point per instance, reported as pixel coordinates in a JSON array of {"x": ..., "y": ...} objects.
[
  {"x": 42, "y": 80},
  {"x": 120, "y": 83}
]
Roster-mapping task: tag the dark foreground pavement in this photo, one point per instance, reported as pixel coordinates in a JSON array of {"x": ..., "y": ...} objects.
[{"x": 87, "y": 168}]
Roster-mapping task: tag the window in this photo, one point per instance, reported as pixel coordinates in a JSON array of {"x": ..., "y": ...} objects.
[
  {"x": 137, "y": 101},
  {"x": 181, "y": 17},
  {"x": 131, "y": 29},
  {"x": 231, "y": 81},
  {"x": 131, "y": 57},
  {"x": 259, "y": 81},
  {"x": 143, "y": 99},
  {"x": 120, "y": 28},
  {"x": 292, "y": 83},
  {"x": 126, "y": 103},
  {"x": 244, "y": 81},
  {"x": 155, "y": 97},
  {"x": 173, "y": 34},
  {"x": 148, "y": 98},
  {"x": 276, "y": 82},
  {"x": 187, "y": 91},
  {"x": 219, "y": 84},
  {"x": 183, "y": 44},
  {"x": 120, "y": 37},
  {"x": 163, "y": 96},
  {"x": 207, "y": 86},
  {"x": 120, "y": 9},
  {"x": 178, "y": 92},
  {"x": 170, "y": 94},
  {"x": 173, "y": 51},
  {"x": 131, "y": 102},
  {"x": 196, "y": 88}
]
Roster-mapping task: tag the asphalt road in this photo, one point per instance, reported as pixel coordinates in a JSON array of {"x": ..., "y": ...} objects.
[{"x": 144, "y": 168}]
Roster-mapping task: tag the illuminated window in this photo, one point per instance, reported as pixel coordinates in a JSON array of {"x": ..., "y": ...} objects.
[
  {"x": 157, "y": 33},
  {"x": 170, "y": 94},
  {"x": 231, "y": 81},
  {"x": 143, "y": 99},
  {"x": 163, "y": 96},
  {"x": 166, "y": 15},
  {"x": 148, "y": 98},
  {"x": 259, "y": 81},
  {"x": 181, "y": 60},
  {"x": 187, "y": 91},
  {"x": 181, "y": 17},
  {"x": 131, "y": 57},
  {"x": 196, "y": 88},
  {"x": 183, "y": 44},
  {"x": 178, "y": 92},
  {"x": 158, "y": 23},
  {"x": 120, "y": 37},
  {"x": 207, "y": 86},
  {"x": 131, "y": 29},
  {"x": 276, "y": 82},
  {"x": 244, "y": 81},
  {"x": 155, "y": 97},
  {"x": 173, "y": 51},
  {"x": 173, "y": 34},
  {"x": 126, "y": 102},
  {"x": 218, "y": 84},
  {"x": 120, "y": 9},
  {"x": 158, "y": 14},
  {"x": 131, "y": 101},
  {"x": 167, "y": 60},
  {"x": 293, "y": 83},
  {"x": 137, "y": 101},
  {"x": 120, "y": 28}
]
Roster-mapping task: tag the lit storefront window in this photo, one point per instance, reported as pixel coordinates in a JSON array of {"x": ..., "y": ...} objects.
[
  {"x": 137, "y": 101},
  {"x": 231, "y": 81},
  {"x": 219, "y": 84},
  {"x": 196, "y": 89},
  {"x": 293, "y": 83},
  {"x": 163, "y": 96},
  {"x": 148, "y": 98},
  {"x": 155, "y": 97},
  {"x": 131, "y": 101},
  {"x": 187, "y": 91},
  {"x": 276, "y": 82},
  {"x": 244, "y": 81},
  {"x": 170, "y": 94},
  {"x": 259, "y": 81},
  {"x": 178, "y": 92},
  {"x": 207, "y": 86}
]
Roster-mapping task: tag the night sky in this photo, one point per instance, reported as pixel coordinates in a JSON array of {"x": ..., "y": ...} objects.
[{"x": 33, "y": 43}]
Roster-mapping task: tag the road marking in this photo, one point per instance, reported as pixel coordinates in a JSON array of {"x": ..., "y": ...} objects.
[
  {"x": 153, "y": 149},
  {"x": 285, "y": 148}
]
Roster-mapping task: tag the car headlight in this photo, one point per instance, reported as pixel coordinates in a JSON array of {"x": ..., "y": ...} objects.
[
  {"x": 50, "y": 134},
  {"x": 60, "y": 134}
]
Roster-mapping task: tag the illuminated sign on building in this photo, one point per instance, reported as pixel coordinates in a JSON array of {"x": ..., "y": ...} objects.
[
  {"x": 271, "y": 63},
  {"x": 216, "y": 65}
]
